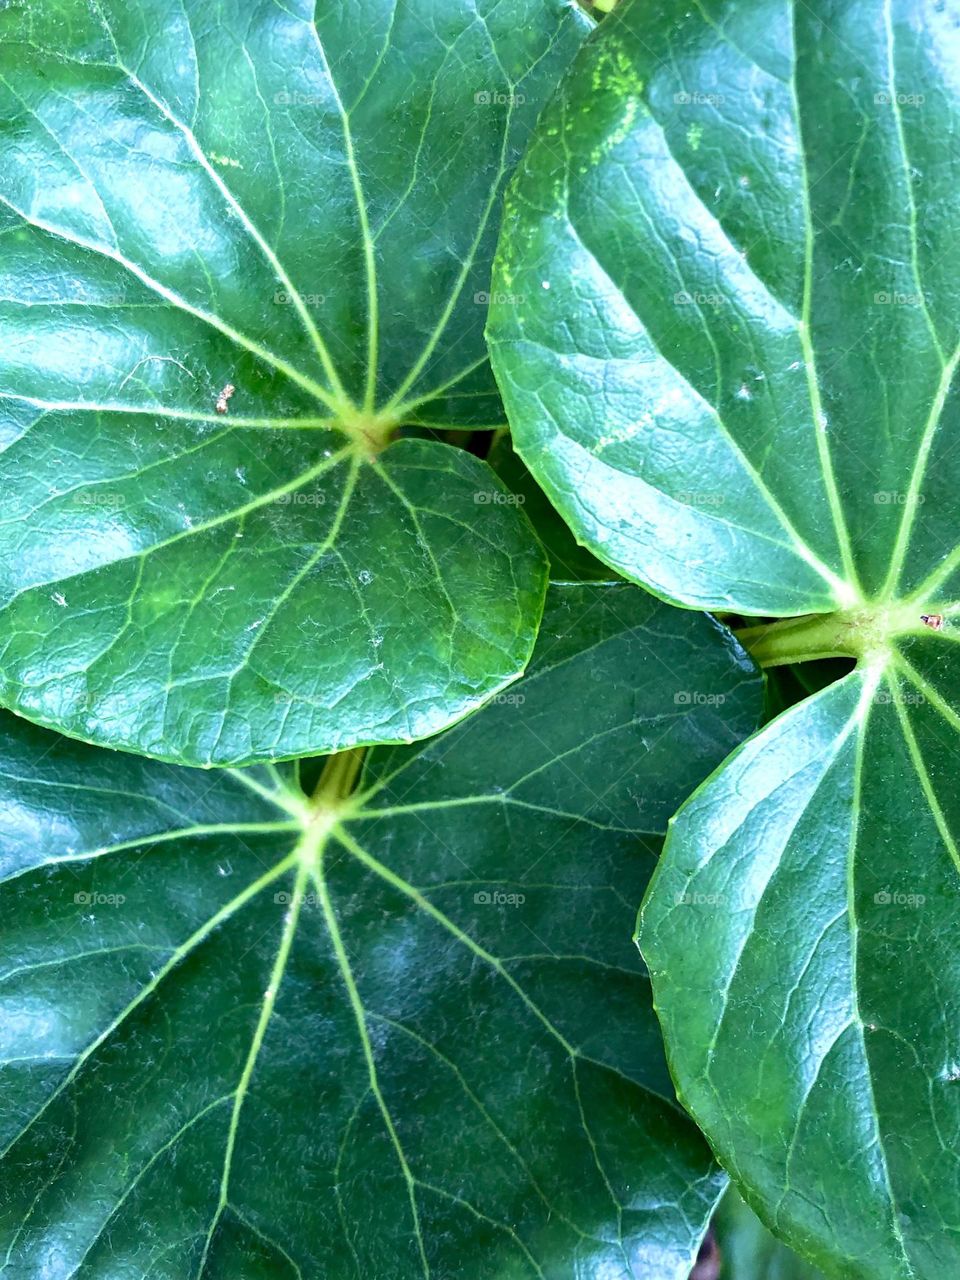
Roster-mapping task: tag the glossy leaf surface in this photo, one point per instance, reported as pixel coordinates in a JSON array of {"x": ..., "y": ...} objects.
[
  {"x": 815, "y": 1033},
  {"x": 239, "y": 247},
  {"x": 731, "y": 360},
  {"x": 395, "y": 1035},
  {"x": 735, "y": 376}
]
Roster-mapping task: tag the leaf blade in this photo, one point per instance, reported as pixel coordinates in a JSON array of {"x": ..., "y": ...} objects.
[
  {"x": 820, "y": 1141},
  {"x": 395, "y": 978},
  {"x": 233, "y": 233},
  {"x": 693, "y": 181}
]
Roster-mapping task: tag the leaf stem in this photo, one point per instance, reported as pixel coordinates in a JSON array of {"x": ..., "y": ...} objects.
[
  {"x": 338, "y": 778},
  {"x": 796, "y": 640},
  {"x": 850, "y": 633}
]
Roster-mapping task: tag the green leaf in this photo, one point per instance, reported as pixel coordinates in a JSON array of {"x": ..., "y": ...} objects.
[
  {"x": 814, "y": 1033},
  {"x": 735, "y": 376},
  {"x": 749, "y": 1251},
  {"x": 733, "y": 239},
  {"x": 299, "y": 204},
  {"x": 391, "y": 1033},
  {"x": 569, "y": 562}
]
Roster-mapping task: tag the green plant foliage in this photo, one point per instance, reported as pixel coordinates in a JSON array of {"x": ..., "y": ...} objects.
[
  {"x": 734, "y": 375},
  {"x": 388, "y": 1030},
  {"x": 235, "y": 259},
  {"x": 749, "y": 1251},
  {"x": 387, "y": 388}
]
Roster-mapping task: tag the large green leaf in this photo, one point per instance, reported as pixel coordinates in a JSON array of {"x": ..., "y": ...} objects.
[
  {"x": 299, "y": 202},
  {"x": 734, "y": 235},
  {"x": 736, "y": 378},
  {"x": 395, "y": 1034},
  {"x": 815, "y": 1031}
]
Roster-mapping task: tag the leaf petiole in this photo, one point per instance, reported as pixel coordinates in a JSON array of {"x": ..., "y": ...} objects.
[
  {"x": 338, "y": 778},
  {"x": 850, "y": 633}
]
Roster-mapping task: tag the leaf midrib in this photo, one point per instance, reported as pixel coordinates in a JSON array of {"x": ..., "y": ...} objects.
[
  {"x": 818, "y": 416},
  {"x": 871, "y": 682}
]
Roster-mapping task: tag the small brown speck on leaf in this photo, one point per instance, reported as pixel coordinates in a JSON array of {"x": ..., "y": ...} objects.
[{"x": 224, "y": 396}]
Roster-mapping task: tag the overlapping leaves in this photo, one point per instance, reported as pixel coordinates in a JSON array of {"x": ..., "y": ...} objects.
[
  {"x": 735, "y": 376},
  {"x": 299, "y": 204},
  {"x": 392, "y": 1034}
]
